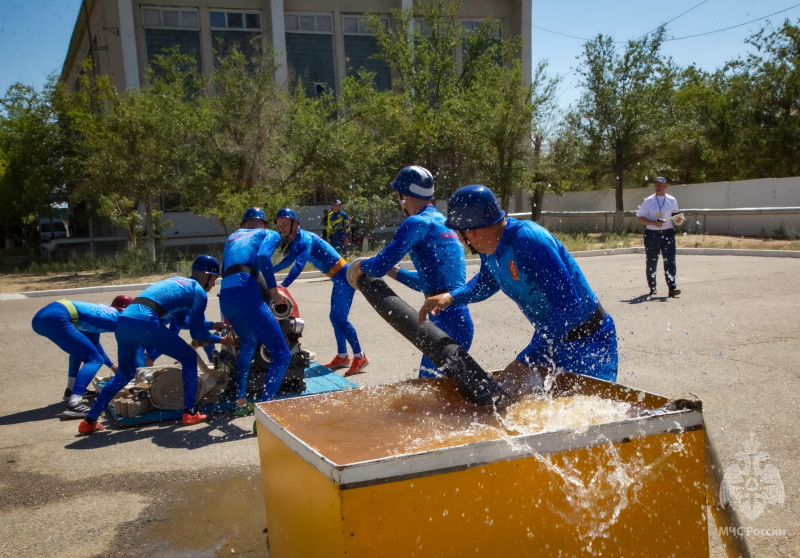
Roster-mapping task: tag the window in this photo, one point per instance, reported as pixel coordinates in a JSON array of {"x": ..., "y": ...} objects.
[
  {"x": 362, "y": 51},
  {"x": 307, "y": 23},
  {"x": 422, "y": 27},
  {"x": 472, "y": 25},
  {"x": 357, "y": 25},
  {"x": 235, "y": 20},
  {"x": 157, "y": 18}
]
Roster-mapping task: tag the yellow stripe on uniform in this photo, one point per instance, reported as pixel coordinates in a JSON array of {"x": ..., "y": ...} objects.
[{"x": 73, "y": 312}]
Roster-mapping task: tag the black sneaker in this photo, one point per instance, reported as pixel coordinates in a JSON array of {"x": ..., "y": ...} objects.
[
  {"x": 81, "y": 410},
  {"x": 673, "y": 292}
]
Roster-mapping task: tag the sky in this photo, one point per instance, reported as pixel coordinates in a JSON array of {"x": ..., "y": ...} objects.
[{"x": 34, "y": 34}]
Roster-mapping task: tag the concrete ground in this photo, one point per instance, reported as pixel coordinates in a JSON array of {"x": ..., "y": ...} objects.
[{"x": 732, "y": 339}]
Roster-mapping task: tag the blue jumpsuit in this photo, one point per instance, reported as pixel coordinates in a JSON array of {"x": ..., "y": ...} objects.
[
  {"x": 308, "y": 247},
  {"x": 242, "y": 304},
  {"x": 181, "y": 298},
  {"x": 439, "y": 259},
  {"x": 537, "y": 272},
  {"x": 78, "y": 337},
  {"x": 339, "y": 225}
]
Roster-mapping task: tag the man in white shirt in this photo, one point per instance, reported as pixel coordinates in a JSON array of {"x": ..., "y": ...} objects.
[{"x": 659, "y": 212}]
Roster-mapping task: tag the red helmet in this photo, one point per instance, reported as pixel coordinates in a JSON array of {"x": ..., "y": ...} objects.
[{"x": 121, "y": 302}]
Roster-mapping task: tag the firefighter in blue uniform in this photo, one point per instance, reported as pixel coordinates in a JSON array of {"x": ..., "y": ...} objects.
[
  {"x": 76, "y": 327},
  {"x": 338, "y": 228},
  {"x": 308, "y": 247},
  {"x": 246, "y": 261},
  {"x": 144, "y": 323},
  {"x": 572, "y": 331},
  {"x": 435, "y": 250}
]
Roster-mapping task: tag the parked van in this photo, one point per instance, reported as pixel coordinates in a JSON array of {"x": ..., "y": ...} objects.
[{"x": 47, "y": 234}]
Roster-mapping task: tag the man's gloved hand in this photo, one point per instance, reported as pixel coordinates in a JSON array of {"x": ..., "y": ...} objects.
[{"x": 354, "y": 272}]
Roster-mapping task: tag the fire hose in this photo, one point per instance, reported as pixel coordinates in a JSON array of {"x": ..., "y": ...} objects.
[{"x": 472, "y": 381}]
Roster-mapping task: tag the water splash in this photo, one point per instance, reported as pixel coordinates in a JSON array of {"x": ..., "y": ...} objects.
[{"x": 593, "y": 502}]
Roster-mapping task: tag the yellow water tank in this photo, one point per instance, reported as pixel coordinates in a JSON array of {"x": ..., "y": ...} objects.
[{"x": 412, "y": 469}]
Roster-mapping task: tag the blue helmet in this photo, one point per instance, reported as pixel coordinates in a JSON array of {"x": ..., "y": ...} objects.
[
  {"x": 206, "y": 264},
  {"x": 336, "y": 202},
  {"x": 255, "y": 213},
  {"x": 473, "y": 207},
  {"x": 414, "y": 181},
  {"x": 286, "y": 212}
]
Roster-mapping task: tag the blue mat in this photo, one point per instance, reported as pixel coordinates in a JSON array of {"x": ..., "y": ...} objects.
[{"x": 318, "y": 380}]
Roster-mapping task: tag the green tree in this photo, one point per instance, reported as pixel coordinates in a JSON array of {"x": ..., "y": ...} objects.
[
  {"x": 466, "y": 122},
  {"x": 770, "y": 81},
  {"x": 622, "y": 109},
  {"x": 131, "y": 145},
  {"x": 503, "y": 128},
  {"x": 32, "y": 148}
]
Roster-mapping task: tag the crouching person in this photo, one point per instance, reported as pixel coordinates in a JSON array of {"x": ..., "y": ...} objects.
[
  {"x": 572, "y": 331},
  {"x": 76, "y": 327},
  {"x": 144, "y": 323}
]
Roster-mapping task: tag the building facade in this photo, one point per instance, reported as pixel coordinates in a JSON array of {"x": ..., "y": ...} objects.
[{"x": 318, "y": 41}]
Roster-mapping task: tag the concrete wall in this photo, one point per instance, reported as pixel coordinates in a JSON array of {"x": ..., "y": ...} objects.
[
  {"x": 766, "y": 192},
  {"x": 120, "y": 47}
]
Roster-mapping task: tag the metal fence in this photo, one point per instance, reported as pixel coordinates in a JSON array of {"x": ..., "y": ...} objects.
[{"x": 693, "y": 216}]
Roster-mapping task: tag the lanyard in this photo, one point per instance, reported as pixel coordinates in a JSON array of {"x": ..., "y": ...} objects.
[{"x": 661, "y": 204}]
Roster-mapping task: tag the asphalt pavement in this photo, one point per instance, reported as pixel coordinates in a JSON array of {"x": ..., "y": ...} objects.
[{"x": 732, "y": 339}]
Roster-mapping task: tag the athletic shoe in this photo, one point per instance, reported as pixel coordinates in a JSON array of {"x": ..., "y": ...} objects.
[
  {"x": 189, "y": 418},
  {"x": 88, "y": 394},
  {"x": 358, "y": 366},
  {"x": 674, "y": 292},
  {"x": 81, "y": 410},
  {"x": 245, "y": 410},
  {"x": 86, "y": 428},
  {"x": 338, "y": 362}
]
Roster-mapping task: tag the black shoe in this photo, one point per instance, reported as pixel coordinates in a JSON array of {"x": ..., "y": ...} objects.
[
  {"x": 81, "y": 410},
  {"x": 674, "y": 291}
]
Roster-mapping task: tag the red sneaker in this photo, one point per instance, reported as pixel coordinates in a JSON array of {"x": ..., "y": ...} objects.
[
  {"x": 358, "y": 365},
  {"x": 86, "y": 428},
  {"x": 338, "y": 362},
  {"x": 193, "y": 419}
]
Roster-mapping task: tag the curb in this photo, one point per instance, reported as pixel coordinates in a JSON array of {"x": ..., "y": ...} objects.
[{"x": 409, "y": 265}]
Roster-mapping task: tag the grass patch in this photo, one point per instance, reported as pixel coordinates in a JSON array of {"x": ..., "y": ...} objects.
[{"x": 128, "y": 263}]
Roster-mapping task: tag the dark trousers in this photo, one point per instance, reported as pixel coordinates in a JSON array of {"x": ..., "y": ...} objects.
[{"x": 663, "y": 243}]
